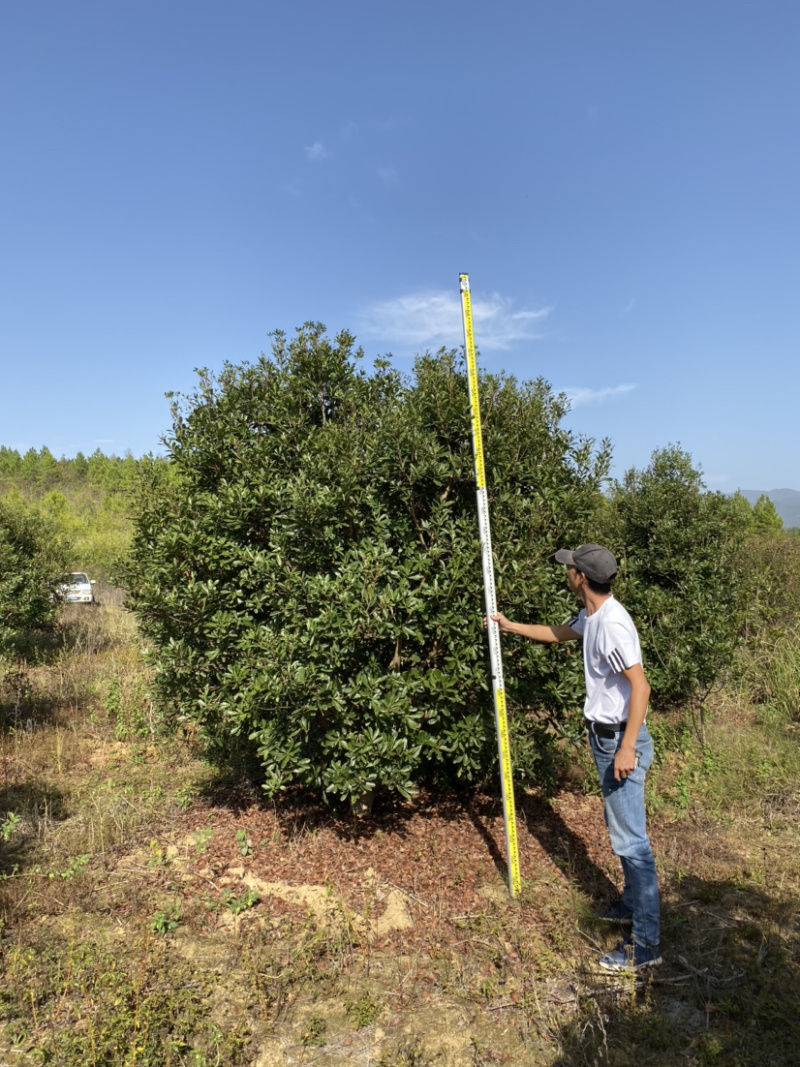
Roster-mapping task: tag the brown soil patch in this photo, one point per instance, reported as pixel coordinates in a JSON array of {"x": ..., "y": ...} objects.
[{"x": 407, "y": 869}]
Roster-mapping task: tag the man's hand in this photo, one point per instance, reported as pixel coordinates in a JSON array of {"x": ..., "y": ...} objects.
[
  {"x": 624, "y": 762},
  {"x": 545, "y": 635}
]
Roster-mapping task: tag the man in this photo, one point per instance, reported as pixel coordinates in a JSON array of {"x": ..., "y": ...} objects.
[{"x": 617, "y": 692}]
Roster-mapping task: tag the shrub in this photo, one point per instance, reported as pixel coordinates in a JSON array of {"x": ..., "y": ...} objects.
[
  {"x": 681, "y": 573},
  {"x": 33, "y": 559},
  {"x": 310, "y": 575},
  {"x": 772, "y": 558}
]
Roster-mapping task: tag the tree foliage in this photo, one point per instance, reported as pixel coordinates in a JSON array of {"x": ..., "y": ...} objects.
[
  {"x": 33, "y": 559},
  {"x": 681, "y": 574},
  {"x": 765, "y": 515},
  {"x": 310, "y": 577}
]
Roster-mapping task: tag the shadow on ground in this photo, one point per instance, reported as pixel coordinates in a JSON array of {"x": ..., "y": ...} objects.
[{"x": 728, "y": 992}]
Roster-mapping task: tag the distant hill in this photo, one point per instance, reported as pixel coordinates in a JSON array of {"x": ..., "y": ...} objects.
[{"x": 786, "y": 501}]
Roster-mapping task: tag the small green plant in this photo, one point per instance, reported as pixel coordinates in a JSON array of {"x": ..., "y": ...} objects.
[
  {"x": 113, "y": 706},
  {"x": 364, "y": 1011},
  {"x": 201, "y": 838},
  {"x": 236, "y": 905},
  {"x": 244, "y": 843},
  {"x": 73, "y": 869},
  {"x": 164, "y": 923},
  {"x": 9, "y": 825},
  {"x": 184, "y": 797},
  {"x": 314, "y": 1033},
  {"x": 158, "y": 856},
  {"x": 408, "y": 1054}
]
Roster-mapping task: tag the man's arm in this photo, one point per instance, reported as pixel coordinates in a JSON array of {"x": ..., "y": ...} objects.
[
  {"x": 546, "y": 635},
  {"x": 625, "y": 759}
]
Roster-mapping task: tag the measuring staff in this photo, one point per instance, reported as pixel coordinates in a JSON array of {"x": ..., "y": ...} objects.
[{"x": 495, "y": 654}]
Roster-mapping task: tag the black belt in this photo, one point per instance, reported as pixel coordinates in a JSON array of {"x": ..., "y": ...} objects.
[{"x": 606, "y": 729}]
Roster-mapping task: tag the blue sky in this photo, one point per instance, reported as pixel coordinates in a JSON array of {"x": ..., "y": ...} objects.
[{"x": 619, "y": 180}]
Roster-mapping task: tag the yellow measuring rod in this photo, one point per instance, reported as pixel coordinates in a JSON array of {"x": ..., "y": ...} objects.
[{"x": 495, "y": 653}]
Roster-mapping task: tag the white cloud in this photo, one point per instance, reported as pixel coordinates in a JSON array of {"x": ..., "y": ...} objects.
[
  {"x": 317, "y": 152},
  {"x": 579, "y": 395},
  {"x": 432, "y": 319}
]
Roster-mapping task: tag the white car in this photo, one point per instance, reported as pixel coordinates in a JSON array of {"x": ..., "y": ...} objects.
[{"x": 79, "y": 590}]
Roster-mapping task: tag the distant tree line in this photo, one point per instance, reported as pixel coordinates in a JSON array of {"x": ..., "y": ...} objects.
[
  {"x": 40, "y": 471},
  {"x": 60, "y": 515}
]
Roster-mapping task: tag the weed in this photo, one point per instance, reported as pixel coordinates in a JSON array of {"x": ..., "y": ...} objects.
[
  {"x": 244, "y": 843},
  {"x": 9, "y": 825},
  {"x": 113, "y": 706},
  {"x": 248, "y": 899},
  {"x": 409, "y": 1053},
  {"x": 364, "y": 1011},
  {"x": 314, "y": 1032},
  {"x": 74, "y": 868},
  {"x": 163, "y": 922},
  {"x": 184, "y": 797},
  {"x": 201, "y": 838},
  {"x": 158, "y": 856}
]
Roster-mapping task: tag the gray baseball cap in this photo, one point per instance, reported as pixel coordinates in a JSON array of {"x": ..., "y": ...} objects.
[{"x": 594, "y": 561}]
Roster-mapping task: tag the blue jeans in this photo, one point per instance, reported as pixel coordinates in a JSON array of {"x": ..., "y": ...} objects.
[{"x": 625, "y": 819}]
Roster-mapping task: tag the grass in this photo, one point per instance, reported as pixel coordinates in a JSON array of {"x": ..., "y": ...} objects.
[{"x": 113, "y": 955}]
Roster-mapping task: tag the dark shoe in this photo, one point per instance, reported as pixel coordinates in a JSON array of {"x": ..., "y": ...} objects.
[
  {"x": 631, "y": 956},
  {"x": 617, "y": 913}
]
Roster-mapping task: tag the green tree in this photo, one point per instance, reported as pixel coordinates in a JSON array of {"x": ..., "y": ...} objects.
[
  {"x": 80, "y": 465},
  {"x": 310, "y": 576},
  {"x": 29, "y": 467},
  {"x": 744, "y": 510},
  {"x": 10, "y": 462},
  {"x": 765, "y": 515},
  {"x": 33, "y": 559},
  {"x": 48, "y": 471},
  {"x": 680, "y": 577}
]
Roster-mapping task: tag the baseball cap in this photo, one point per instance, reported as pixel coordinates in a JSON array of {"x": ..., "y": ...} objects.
[{"x": 594, "y": 561}]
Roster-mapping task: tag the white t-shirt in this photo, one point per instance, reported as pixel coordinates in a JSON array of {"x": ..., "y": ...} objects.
[{"x": 610, "y": 645}]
